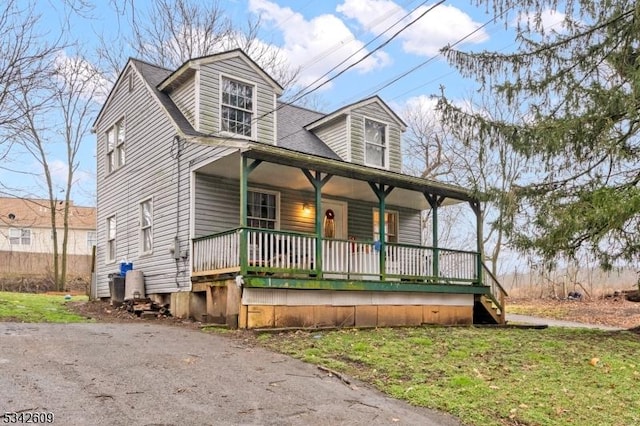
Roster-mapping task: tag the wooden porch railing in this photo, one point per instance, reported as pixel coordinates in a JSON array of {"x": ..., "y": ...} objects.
[
  {"x": 498, "y": 293},
  {"x": 270, "y": 251},
  {"x": 218, "y": 252},
  {"x": 350, "y": 259},
  {"x": 278, "y": 251}
]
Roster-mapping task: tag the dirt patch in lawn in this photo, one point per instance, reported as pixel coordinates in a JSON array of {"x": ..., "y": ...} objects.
[{"x": 103, "y": 311}]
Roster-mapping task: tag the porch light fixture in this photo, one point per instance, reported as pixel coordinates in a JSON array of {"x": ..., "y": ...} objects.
[{"x": 306, "y": 208}]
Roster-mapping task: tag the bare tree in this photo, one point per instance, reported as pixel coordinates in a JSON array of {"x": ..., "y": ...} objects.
[
  {"x": 488, "y": 167},
  {"x": 23, "y": 56},
  {"x": 170, "y": 32},
  {"x": 427, "y": 144},
  {"x": 53, "y": 121}
]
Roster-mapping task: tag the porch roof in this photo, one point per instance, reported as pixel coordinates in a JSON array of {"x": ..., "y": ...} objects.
[{"x": 349, "y": 180}]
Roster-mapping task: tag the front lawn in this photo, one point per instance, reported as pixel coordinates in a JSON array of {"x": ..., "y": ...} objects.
[
  {"x": 28, "y": 307},
  {"x": 488, "y": 376}
]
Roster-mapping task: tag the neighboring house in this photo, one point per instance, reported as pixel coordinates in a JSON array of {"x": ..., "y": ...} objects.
[
  {"x": 210, "y": 187},
  {"x": 26, "y": 237}
]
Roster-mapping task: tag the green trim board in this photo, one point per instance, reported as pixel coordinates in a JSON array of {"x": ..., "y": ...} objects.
[{"x": 325, "y": 284}]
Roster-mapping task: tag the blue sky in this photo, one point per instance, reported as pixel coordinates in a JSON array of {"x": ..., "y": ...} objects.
[{"x": 316, "y": 36}]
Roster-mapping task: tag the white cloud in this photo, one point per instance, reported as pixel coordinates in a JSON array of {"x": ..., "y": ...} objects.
[
  {"x": 318, "y": 44},
  {"x": 424, "y": 103},
  {"x": 437, "y": 28},
  {"x": 81, "y": 77}
]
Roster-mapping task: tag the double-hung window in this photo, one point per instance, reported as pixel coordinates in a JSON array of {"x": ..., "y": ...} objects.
[
  {"x": 20, "y": 236},
  {"x": 390, "y": 226},
  {"x": 375, "y": 141},
  {"x": 92, "y": 239},
  {"x": 116, "y": 146},
  {"x": 237, "y": 107},
  {"x": 262, "y": 209},
  {"x": 111, "y": 239},
  {"x": 146, "y": 226}
]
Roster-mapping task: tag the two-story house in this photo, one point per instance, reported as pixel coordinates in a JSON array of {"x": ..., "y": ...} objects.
[{"x": 238, "y": 208}]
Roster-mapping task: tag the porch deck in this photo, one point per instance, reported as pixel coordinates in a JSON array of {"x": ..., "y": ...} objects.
[{"x": 278, "y": 259}]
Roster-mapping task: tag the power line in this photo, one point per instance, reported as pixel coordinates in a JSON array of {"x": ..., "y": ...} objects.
[
  {"x": 396, "y": 34},
  {"x": 301, "y": 93},
  {"x": 347, "y": 41},
  {"x": 433, "y": 57}
]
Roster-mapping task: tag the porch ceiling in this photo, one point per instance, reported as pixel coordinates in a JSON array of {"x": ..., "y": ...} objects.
[{"x": 292, "y": 177}]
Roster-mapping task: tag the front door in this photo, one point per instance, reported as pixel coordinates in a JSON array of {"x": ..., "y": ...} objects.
[
  {"x": 334, "y": 219},
  {"x": 334, "y": 227}
]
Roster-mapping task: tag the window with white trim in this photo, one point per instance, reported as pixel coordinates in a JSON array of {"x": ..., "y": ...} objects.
[
  {"x": 375, "y": 141},
  {"x": 111, "y": 239},
  {"x": 19, "y": 236},
  {"x": 262, "y": 209},
  {"x": 116, "y": 146},
  {"x": 390, "y": 226},
  {"x": 236, "y": 108},
  {"x": 92, "y": 239},
  {"x": 146, "y": 226}
]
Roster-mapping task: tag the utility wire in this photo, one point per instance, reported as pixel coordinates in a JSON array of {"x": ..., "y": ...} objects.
[
  {"x": 310, "y": 87},
  {"x": 433, "y": 57},
  {"x": 430, "y": 59},
  {"x": 396, "y": 34},
  {"x": 347, "y": 41}
]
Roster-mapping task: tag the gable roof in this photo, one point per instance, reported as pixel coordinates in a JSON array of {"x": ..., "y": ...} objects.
[
  {"x": 35, "y": 213},
  {"x": 188, "y": 68},
  {"x": 152, "y": 76},
  {"x": 348, "y": 108},
  {"x": 292, "y": 134}
]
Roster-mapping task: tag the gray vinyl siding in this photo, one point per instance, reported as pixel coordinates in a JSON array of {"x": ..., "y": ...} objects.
[
  {"x": 151, "y": 171},
  {"x": 210, "y": 97},
  {"x": 217, "y": 206},
  {"x": 361, "y": 222},
  {"x": 335, "y": 136},
  {"x": 218, "y": 201},
  {"x": 375, "y": 112},
  {"x": 185, "y": 99}
]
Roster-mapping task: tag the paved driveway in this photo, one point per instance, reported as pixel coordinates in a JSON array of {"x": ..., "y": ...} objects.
[
  {"x": 150, "y": 374},
  {"x": 526, "y": 319}
]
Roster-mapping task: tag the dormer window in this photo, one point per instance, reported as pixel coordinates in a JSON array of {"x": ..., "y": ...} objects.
[
  {"x": 237, "y": 107},
  {"x": 375, "y": 141}
]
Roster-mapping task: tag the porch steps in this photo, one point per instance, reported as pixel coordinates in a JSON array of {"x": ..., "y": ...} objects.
[{"x": 485, "y": 311}]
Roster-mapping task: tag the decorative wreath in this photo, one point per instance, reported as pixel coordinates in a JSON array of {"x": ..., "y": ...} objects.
[{"x": 329, "y": 214}]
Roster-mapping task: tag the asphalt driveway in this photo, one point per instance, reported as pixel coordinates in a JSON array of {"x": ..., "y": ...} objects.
[{"x": 153, "y": 374}]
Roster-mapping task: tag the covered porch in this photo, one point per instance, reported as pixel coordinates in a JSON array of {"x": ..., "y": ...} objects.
[{"x": 305, "y": 251}]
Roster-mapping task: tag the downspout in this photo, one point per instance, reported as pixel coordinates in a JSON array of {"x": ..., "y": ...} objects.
[{"x": 176, "y": 152}]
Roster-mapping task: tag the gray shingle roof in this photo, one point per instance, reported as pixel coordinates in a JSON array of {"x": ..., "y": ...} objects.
[
  {"x": 292, "y": 134},
  {"x": 291, "y": 119},
  {"x": 154, "y": 75}
]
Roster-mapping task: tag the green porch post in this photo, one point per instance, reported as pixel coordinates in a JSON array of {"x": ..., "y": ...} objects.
[
  {"x": 245, "y": 169},
  {"x": 435, "y": 202},
  {"x": 318, "y": 182},
  {"x": 477, "y": 209},
  {"x": 381, "y": 190}
]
